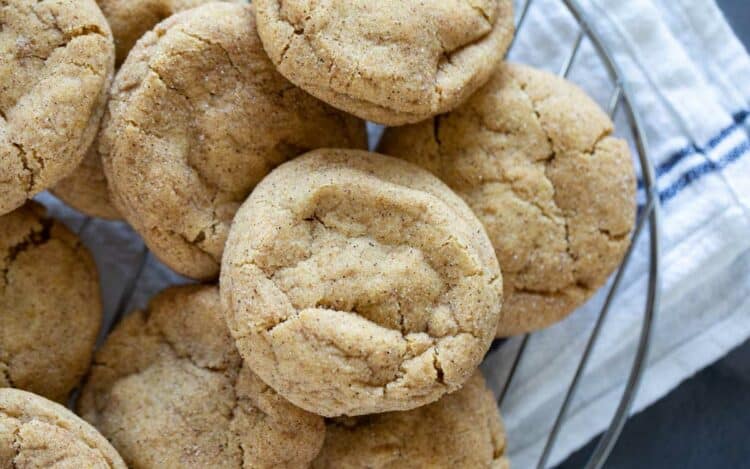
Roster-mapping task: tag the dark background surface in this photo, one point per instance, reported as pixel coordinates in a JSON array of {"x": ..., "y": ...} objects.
[
  {"x": 738, "y": 14},
  {"x": 705, "y": 422}
]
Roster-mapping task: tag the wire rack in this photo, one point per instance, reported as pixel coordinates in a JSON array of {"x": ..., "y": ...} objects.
[{"x": 648, "y": 216}]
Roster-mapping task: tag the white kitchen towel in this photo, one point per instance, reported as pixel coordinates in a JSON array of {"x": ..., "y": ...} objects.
[
  {"x": 689, "y": 76},
  {"x": 691, "y": 82}
]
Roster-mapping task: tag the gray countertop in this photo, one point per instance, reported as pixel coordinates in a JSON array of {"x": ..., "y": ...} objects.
[
  {"x": 703, "y": 423},
  {"x": 738, "y": 14}
]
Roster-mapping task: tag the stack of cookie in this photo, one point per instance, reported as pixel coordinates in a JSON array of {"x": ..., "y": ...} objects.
[{"x": 357, "y": 292}]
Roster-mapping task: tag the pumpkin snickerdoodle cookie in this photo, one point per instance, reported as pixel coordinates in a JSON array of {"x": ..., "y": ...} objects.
[
  {"x": 393, "y": 61},
  {"x": 131, "y": 19},
  {"x": 356, "y": 283},
  {"x": 170, "y": 390},
  {"x": 535, "y": 158},
  {"x": 35, "y": 433},
  {"x": 86, "y": 188},
  {"x": 198, "y": 117},
  {"x": 462, "y": 429},
  {"x": 56, "y": 62},
  {"x": 50, "y": 308}
]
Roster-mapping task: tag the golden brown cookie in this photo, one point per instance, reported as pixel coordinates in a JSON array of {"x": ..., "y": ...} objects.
[
  {"x": 131, "y": 19},
  {"x": 461, "y": 430},
  {"x": 170, "y": 390},
  {"x": 535, "y": 158},
  {"x": 56, "y": 62},
  {"x": 198, "y": 117},
  {"x": 86, "y": 188},
  {"x": 356, "y": 283},
  {"x": 393, "y": 61},
  {"x": 36, "y": 433},
  {"x": 50, "y": 308}
]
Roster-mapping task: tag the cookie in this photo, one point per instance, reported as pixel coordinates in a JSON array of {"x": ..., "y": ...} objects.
[
  {"x": 198, "y": 117},
  {"x": 356, "y": 283},
  {"x": 35, "y": 432},
  {"x": 169, "y": 389},
  {"x": 50, "y": 307},
  {"x": 86, "y": 188},
  {"x": 462, "y": 429},
  {"x": 535, "y": 158},
  {"x": 392, "y": 62},
  {"x": 56, "y": 62},
  {"x": 130, "y": 20}
]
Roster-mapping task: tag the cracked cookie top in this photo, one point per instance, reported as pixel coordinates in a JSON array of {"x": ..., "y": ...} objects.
[
  {"x": 356, "y": 283},
  {"x": 35, "y": 432},
  {"x": 131, "y": 19},
  {"x": 50, "y": 308},
  {"x": 169, "y": 389},
  {"x": 393, "y": 61},
  {"x": 57, "y": 62},
  {"x": 535, "y": 158},
  {"x": 86, "y": 188},
  {"x": 462, "y": 429},
  {"x": 197, "y": 117}
]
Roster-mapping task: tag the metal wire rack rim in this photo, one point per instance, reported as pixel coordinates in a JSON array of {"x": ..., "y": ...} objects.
[{"x": 649, "y": 215}]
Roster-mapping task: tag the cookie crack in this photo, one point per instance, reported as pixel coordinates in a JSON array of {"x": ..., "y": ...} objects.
[
  {"x": 16, "y": 445},
  {"x": 86, "y": 66},
  {"x": 438, "y": 366},
  {"x": 548, "y": 162},
  {"x": 57, "y": 424},
  {"x": 615, "y": 237},
  {"x": 330, "y": 65},
  {"x": 373, "y": 372},
  {"x": 439, "y": 299},
  {"x": 67, "y": 36},
  {"x": 297, "y": 28},
  {"x": 5, "y": 369},
  {"x": 510, "y": 184},
  {"x": 285, "y": 50},
  {"x": 87, "y": 30},
  {"x": 164, "y": 82},
  {"x": 446, "y": 57},
  {"x": 33, "y": 239},
  {"x": 482, "y": 13},
  {"x": 556, "y": 292},
  {"x": 219, "y": 45},
  {"x": 605, "y": 133},
  {"x": 32, "y": 10},
  {"x": 196, "y": 242},
  {"x": 236, "y": 410},
  {"x": 26, "y": 166}
]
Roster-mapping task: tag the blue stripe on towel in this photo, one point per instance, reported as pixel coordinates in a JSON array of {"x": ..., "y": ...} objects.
[
  {"x": 738, "y": 118},
  {"x": 702, "y": 169}
]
